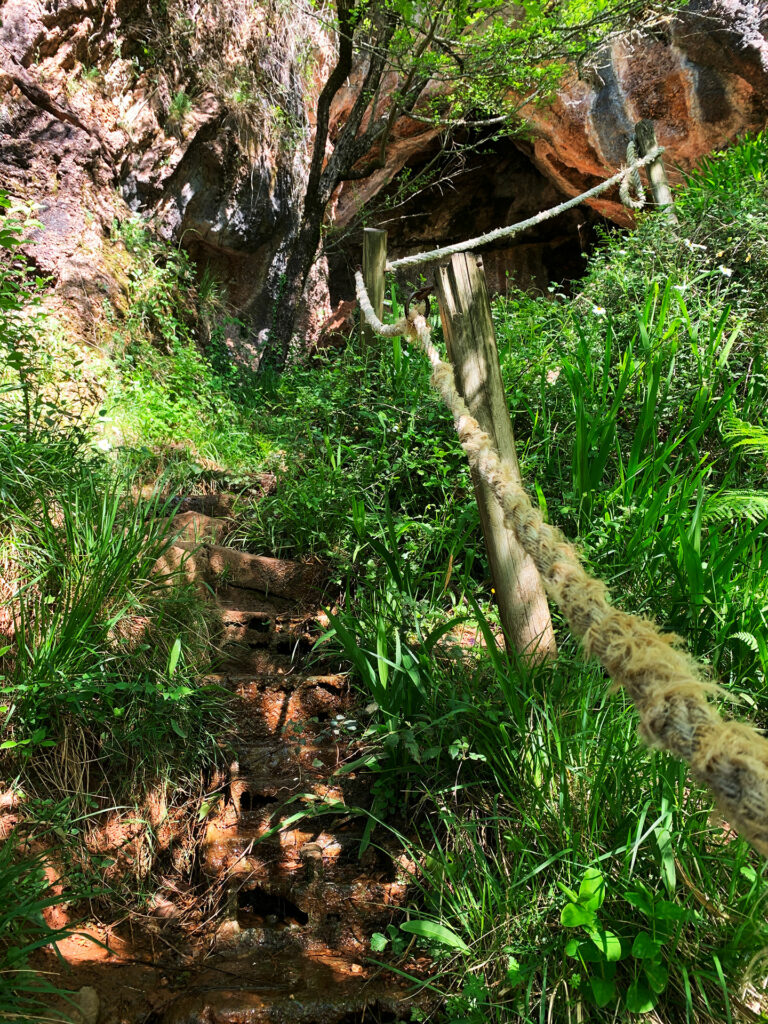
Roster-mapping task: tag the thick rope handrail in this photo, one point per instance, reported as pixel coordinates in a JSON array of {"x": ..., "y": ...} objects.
[
  {"x": 625, "y": 177},
  {"x": 665, "y": 684}
]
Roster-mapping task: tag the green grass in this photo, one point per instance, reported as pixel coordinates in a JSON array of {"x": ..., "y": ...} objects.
[
  {"x": 639, "y": 411},
  {"x": 564, "y": 871},
  {"x": 101, "y": 651}
]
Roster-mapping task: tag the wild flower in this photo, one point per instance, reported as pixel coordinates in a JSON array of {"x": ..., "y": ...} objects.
[
  {"x": 599, "y": 310},
  {"x": 725, "y": 271}
]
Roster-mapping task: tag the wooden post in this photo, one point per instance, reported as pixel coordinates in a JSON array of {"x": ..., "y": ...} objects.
[
  {"x": 468, "y": 327},
  {"x": 645, "y": 140},
  {"x": 374, "y": 262}
]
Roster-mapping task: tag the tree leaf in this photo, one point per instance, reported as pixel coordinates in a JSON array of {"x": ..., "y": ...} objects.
[
  {"x": 644, "y": 947},
  {"x": 608, "y": 943},
  {"x": 657, "y": 975},
  {"x": 379, "y": 942},
  {"x": 639, "y": 998}
]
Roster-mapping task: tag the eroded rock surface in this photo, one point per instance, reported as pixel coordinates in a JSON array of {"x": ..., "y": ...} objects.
[{"x": 187, "y": 161}]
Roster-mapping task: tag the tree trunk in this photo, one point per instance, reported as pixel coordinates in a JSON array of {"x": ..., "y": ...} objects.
[{"x": 291, "y": 288}]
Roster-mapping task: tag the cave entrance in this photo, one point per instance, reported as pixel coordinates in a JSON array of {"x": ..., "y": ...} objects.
[{"x": 478, "y": 186}]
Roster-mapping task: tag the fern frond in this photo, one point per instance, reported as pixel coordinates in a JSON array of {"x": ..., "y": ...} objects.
[
  {"x": 751, "y": 505},
  {"x": 741, "y": 434},
  {"x": 747, "y": 638}
]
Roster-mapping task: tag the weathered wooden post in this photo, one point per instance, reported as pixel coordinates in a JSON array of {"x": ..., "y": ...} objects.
[
  {"x": 468, "y": 327},
  {"x": 645, "y": 140},
  {"x": 374, "y": 263}
]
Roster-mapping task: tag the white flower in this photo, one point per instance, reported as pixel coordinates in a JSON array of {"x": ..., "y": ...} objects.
[
  {"x": 692, "y": 245},
  {"x": 104, "y": 444},
  {"x": 679, "y": 288},
  {"x": 599, "y": 310},
  {"x": 725, "y": 271}
]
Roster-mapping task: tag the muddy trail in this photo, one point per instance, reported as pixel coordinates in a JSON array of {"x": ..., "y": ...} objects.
[{"x": 271, "y": 922}]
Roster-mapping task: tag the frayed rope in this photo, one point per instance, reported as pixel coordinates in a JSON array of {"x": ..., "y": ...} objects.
[{"x": 666, "y": 685}]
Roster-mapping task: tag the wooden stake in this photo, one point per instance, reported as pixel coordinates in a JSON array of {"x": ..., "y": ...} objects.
[
  {"x": 374, "y": 262},
  {"x": 468, "y": 327},
  {"x": 645, "y": 140}
]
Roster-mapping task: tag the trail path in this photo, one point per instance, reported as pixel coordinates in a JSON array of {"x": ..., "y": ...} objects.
[{"x": 291, "y": 938}]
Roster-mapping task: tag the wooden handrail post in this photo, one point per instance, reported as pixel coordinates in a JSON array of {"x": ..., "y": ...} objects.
[
  {"x": 374, "y": 263},
  {"x": 645, "y": 140},
  {"x": 465, "y": 311}
]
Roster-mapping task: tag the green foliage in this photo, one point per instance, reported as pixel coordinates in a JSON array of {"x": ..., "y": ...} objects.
[
  {"x": 349, "y": 437},
  {"x": 93, "y": 686},
  {"x": 639, "y": 412},
  {"x": 179, "y": 107},
  {"x": 25, "y": 994},
  {"x": 177, "y": 397}
]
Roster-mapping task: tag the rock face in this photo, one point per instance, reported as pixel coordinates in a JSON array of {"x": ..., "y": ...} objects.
[
  {"x": 704, "y": 81},
  {"x": 217, "y": 169},
  {"x": 126, "y": 132}
]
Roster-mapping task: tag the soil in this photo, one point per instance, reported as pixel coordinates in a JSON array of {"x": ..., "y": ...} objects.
[{"x": 262, "y": 907}]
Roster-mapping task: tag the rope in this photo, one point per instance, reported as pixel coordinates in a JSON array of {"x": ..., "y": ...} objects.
[
  {"x": 627, "y": 178},
  {"x": 631, "y": 182},
  {"x": 666, "y": 685}
]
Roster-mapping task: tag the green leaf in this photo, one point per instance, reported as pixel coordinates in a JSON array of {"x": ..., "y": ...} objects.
[
  {"x": 572, "y": 947},
  {"x": 379, "y": 942},
  {"x": 644, "y": 947},
  {"x": 178, "y": 729},
  {"x": 608, "y": 943},
  {"x": 604, "y": 991},
  {"x": 640, "y": 899},
  {"x": 515, "y": 974},
  {"x": 639, "y": 998},
  {"x": 657, "y": 975},
  {"x": 173, "y": 660},
  {"x": 575, "y": 916},
  {"x": 207, "y": 806},
  {"x": 435, "y": 932},
  {"x": 665, "y": 910},
  {"x": 592, "y": 889}
]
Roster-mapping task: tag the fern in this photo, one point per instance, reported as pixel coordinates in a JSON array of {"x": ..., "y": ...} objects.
[
  {"x": 740, "y": 434},
  {"x": 747, "y": 638},
  {"x": 738, "y": 504}
]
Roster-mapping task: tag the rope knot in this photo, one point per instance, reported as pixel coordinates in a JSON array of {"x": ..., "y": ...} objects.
[{"x": 631, "y": 182}]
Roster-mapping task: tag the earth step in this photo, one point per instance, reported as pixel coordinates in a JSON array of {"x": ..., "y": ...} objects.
[
  {"x": 252, "y": 601},
  {"x": 311, "y": 917},
  {"x": 255, "y": 661},
  {"x": 314, "y": 848},
  {"x": 196, "y": 528},
  {"x": 212, "y": 563},
  {"x": 303, "y": 760},
  {"x": 269, "y": 704},
  {"x": 267, "y": 626},
  {"x": 215, "y": 505},
  {"x": 292, "y": 988}
]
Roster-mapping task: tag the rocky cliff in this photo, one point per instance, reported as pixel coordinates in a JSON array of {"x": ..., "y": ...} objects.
[{"x": 199, "y": 119}]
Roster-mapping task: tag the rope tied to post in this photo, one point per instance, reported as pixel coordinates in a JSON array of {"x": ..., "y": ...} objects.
[
  {"x": 632, "y": 182},
  {"x": 667, "y": 687}
]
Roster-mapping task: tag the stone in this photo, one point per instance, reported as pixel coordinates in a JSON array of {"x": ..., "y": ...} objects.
[{"x": 88, "y": 1005}]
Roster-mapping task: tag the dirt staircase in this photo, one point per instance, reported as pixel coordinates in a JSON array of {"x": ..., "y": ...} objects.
[{"x": 290, "y": 941}]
